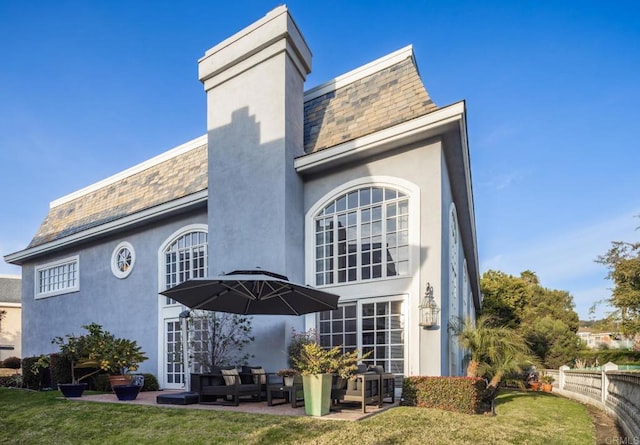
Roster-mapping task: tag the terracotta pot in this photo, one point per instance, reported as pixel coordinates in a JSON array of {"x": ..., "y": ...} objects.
[
  {"x": 534, "y": 386},
  {"x": 117, "y": 380},
  {"x": 547, "y": 387}
]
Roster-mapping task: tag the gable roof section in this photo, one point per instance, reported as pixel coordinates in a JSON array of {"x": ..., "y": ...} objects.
[
  {"x": 389, "y": 96},
  {"x": 161, "y": 182}
]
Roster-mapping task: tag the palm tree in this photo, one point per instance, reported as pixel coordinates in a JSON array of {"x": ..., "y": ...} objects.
[{"x": 493, "y": 351}]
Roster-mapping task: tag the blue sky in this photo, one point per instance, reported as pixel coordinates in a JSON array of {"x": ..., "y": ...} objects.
[{"x": 88, "y": 89}]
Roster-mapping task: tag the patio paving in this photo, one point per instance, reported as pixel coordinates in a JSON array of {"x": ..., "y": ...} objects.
[{"x": 350, "y": 412}]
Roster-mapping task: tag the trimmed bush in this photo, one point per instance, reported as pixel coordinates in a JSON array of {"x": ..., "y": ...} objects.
[
  {"x": 12, "y": 362},
  {"x": 32, "y": 380},
  {"x": 101, "y": 383},
  {"x": 12, "y": 381},
  {"x": 150, "y": 383},
  {"x": 60, "y": 369},
  {"x": 459, "y": 394},
  {"x": 617, "y": 356}
]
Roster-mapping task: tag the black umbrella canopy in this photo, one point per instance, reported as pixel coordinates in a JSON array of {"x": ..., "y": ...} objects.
[{"x": 252, "y": 292}]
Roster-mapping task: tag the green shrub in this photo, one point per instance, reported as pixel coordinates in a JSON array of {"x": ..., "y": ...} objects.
[
  {"x": 12, "y": 381},
  {"x": 150, "y": 383},
  {"x": 617, "y": 356},
  {"x": 101, "y": 383},
  {"x": 460, "y": 394},
  {"x": 12, "y": 363},
  {"x": 30, "y": 379},
  {"x": 60, "y": 369}
]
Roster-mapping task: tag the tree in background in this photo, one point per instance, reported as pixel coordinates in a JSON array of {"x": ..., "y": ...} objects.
[
  {"x": 623, "y": 262},
  {"x": 545, "y": 318},
  {"x": 218, "y": 339}
]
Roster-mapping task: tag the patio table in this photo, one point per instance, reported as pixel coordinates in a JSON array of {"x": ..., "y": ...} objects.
[{"x": 290, "y": 394}]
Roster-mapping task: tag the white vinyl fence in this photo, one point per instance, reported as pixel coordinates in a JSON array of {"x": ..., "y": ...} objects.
[{"x": 615, "y": 391}]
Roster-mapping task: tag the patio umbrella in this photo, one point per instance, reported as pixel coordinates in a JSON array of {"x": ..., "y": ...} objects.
[{"x": 252, "y": 292}]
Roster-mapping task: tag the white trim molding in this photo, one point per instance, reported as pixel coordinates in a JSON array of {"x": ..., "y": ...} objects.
[{"x": 116, "y": 258}]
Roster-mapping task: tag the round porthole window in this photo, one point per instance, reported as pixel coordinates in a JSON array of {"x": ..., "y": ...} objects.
[{"x": 122, "y": 260}]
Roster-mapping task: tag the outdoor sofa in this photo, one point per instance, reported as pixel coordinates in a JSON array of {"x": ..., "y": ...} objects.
[{"x": 225, "y": 384}]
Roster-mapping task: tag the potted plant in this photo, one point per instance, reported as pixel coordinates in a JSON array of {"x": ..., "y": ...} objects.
[
  {"x": 120, "y": 357},
  {"x": 289, "y": 375},
  {"x": 547, "y": 382},
  {"x": 318, "y": 366},
  {"x": 76, "y": 350},
  {"x": 101, "y": 351}
]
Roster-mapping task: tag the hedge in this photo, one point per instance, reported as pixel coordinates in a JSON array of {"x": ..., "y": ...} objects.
[
  {"x": 460, "y": 394},
  {"x": 617, "y": 356},
  {"x": 12, "y": 363}
]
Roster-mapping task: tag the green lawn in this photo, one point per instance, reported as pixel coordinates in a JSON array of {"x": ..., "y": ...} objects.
[{"x": 522, "y": 418}]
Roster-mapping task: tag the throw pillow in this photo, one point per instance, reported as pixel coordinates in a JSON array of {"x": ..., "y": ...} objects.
[
  {"x": 231, "y": 376},
  {"x": 259, "y": 376}
]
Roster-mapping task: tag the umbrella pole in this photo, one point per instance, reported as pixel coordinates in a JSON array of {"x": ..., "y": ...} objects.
[{"x": 184, "y": 315}]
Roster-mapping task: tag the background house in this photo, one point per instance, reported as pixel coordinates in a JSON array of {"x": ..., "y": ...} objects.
[
  {"x": 11, "y": 324},
  {"x": 361, "y": 186},
  {"x": 608, "y": 340}
]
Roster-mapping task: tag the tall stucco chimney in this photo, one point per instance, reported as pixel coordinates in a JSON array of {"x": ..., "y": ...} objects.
[{"x": 254, "y": 84}]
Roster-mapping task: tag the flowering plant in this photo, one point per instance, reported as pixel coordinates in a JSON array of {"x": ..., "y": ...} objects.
[{"x": 288, "y": 372}]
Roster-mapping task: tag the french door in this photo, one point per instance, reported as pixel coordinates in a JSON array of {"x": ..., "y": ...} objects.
[{"x": 373, "y": 325}]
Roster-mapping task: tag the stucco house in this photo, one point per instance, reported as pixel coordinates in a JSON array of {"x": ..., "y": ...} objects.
[
  {"x": 11, "y": 322},
  {"x": 360, "y": 186}
]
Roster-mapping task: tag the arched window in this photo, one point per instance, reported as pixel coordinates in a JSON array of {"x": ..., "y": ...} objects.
[
  {"x": 362, "y": 235},
  {"x": 185, "y": 258},
  {"x": 454, "y": 295}
]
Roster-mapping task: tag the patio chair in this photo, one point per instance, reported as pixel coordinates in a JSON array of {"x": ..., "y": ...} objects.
[
  {"x": 363, "y": 388},
  {"x": 225, "y": 383},
  {"x": 257, "y": 375},
  {"x": 387, "y": 382}
]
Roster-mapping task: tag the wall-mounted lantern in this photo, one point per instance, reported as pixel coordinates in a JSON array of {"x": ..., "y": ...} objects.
[{"x": 429, "y": 310}]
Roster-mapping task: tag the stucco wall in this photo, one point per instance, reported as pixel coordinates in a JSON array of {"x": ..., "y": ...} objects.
[
  {"x": 126, "y": 307},
  {"x": 420, "y": 166}
]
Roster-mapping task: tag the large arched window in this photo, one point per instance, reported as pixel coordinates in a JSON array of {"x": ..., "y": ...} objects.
[
  {"x": 361, "y": 235},
  {"x": 185, "y": 258}
]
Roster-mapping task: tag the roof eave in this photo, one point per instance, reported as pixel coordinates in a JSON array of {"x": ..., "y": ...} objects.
[
  {"x": 424, "y": 127},
  {"x": 178, "y": 205}
]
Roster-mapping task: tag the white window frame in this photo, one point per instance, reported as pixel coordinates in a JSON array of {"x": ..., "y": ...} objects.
[
  {"x": 161, "y": 256},
  {"x": 409, "y": 189},
  {"x": 115, "y": 257},
  {"x": 52, "y": 265},
  {"x": 403, "y": 299},
  {"x": 170, "y": 312}
]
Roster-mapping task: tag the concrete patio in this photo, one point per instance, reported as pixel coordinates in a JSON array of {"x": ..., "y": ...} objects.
[{"x": 350, "y": 412}]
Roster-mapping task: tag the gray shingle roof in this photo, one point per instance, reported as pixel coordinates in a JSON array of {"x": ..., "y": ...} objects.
[
  {"x": 386, "y": 98},
  {"x": 169, "y": 180},
  {"x": 10, "y": 290},
  {"x": 380, "y": 100}
]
